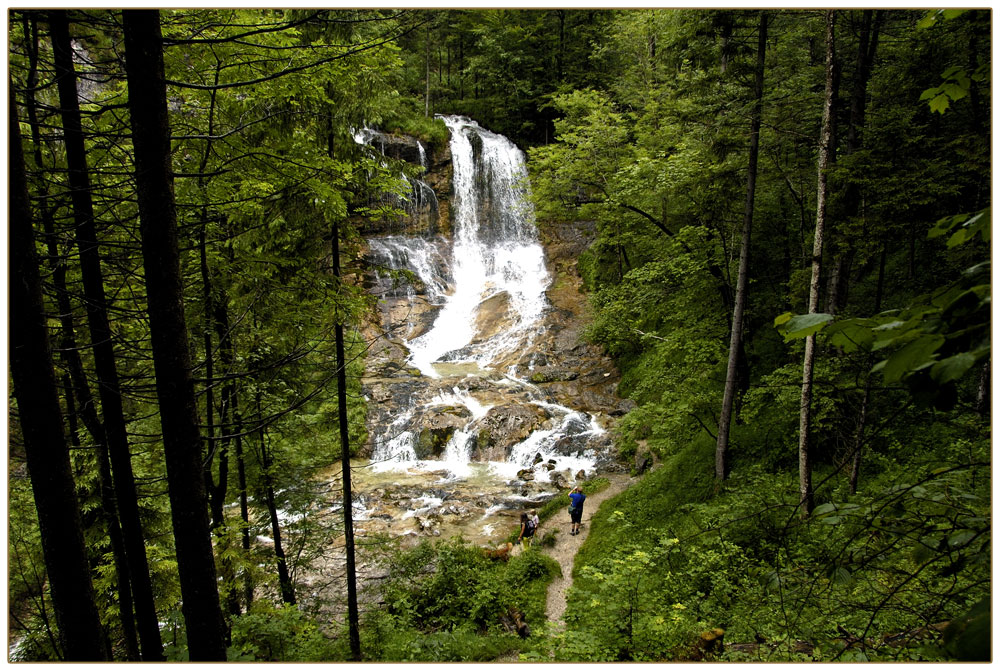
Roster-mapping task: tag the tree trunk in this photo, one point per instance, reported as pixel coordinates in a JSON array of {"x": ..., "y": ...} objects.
[
  {"x": 345, "y": 465},
  {"x": 75, "y": 383},
  {"x": 171, "y": 359},
  {"x": 427, "y": 72},
  {"x": 983, "y": 393},
  {"x": 736, "y": 331},
  {"x": 825, "y": 159},
  {"x": 40, "y": 418},
  {"x": 244, "y": 507},
  {"x": 285, "y": 582},
  {"x": 867, "y": 46},
  {"x": 115, "y": 432},
  {"x": 859, "y": 439}
]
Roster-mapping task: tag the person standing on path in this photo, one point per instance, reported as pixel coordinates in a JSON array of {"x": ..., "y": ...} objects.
[
  {"x": 576, "y": 497},
  {"x": 527, "y": 531}
]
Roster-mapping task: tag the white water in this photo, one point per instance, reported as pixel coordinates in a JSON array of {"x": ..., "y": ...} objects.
[
  {"x": 491, "y": 254},
  {"x": 494, "y": 252}
]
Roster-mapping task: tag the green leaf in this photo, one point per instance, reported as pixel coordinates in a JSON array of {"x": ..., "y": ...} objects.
[
  {"x": 841, "y": 576},
  {"x": 913, "y": 356},
  {"x": 824, "y": 509},
  {"x": 954, "y": 90},
  {"x": 928, "y": 20},
  {"x": 961, "y": 538},
  {"x": 953, "y": 367},
  {"x": 850, "y": 334},
  {"x": 782, "y": 318},
  {"x": 802, "y": 326},
  {"x": 950, "y": 14},
  {"x": 939, "y": 103}
]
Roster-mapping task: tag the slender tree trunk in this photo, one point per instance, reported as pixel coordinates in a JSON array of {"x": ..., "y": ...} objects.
[
  {"x": 116, "y": 435},
  {"x": 867, "y": 46},
  {"x": 171, "y": 359},
  {"x": 427, "y": 72},
  {"x": 345, "y": 464},
  {"x": 983, "y": 393},
  {"x": 244, "y": 507},
  {"x": 285, "y": 582},
  {"x": 75, "y": 383},
  {"x": 824, "y": 162},
  {"x": 736, "y": 333},
  {"x": 40, "y": 418},
  {"x": 859, "y": 440}
]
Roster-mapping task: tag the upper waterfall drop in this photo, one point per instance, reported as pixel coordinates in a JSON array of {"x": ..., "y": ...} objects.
[{"x": 496, "y": 254}]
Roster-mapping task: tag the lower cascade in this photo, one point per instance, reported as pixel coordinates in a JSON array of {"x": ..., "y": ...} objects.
[{"x": 482, "y": 396}]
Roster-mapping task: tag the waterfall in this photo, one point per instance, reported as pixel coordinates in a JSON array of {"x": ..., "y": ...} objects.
[
  {"x": 496, "y": 253},
  {"x": 485, "y": 289}
]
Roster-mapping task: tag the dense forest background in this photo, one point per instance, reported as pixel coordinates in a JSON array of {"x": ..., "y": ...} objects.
[{"x": 790, "y": 265}]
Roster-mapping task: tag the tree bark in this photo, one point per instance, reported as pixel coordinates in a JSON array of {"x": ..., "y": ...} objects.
[
  {"x": 736, "y": 331},
  {"x": 345, "y": 465},
  {"x": 115, "y": 433},
  {"x": 75, "y": 383},
  {"x": 147, "y": 102},
  {"x": 40, "y": 418},
  {"x": 825, "y": 159}
]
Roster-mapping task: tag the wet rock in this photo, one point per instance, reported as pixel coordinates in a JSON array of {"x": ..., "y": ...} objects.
[
  {"x": 402, "y": 147},
  {"x": 581, "y": 475},
  {"x": 430, "y": 443},
  {"x": 624, "y": 407},
  {"x": 503, "y": 427},
  {"x": 553, "y": 374},
  {"x": 493, "y": 316},
  {"x": 526, "y": 474},
  {"x": 538, "y": 458}
]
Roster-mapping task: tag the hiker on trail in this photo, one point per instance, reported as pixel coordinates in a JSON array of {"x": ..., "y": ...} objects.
[
  {"x": 527, "y": 531},
  {"x": 533, "y": 516},
  {"x": 576, "y": 498}
]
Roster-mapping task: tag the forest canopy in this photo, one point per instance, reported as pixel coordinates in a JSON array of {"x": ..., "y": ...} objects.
[{"x": 788, "y": 259}]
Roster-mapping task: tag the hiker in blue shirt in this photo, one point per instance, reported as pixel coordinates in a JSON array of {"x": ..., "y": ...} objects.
[{"x": 576, "y": 498}]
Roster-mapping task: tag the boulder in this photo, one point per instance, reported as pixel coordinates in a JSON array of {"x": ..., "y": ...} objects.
[
  {"x": 503, "y": 427},
  {"x": 493, "y": 316},
  {"x": 581, "y": 475},
  {"x": 643, "y": 461},
  {"x": 526, "y": 474}
]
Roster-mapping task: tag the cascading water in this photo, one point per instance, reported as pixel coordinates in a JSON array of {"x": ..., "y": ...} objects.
[
  {"x": 496, "y": 253},
  {"x": 483, "y": 296}
]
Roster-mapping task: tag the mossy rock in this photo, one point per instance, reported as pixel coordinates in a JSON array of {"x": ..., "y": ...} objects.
[{"x": 431, "y": 442}]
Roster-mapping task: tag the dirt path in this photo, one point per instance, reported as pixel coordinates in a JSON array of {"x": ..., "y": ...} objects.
[{"x": 567, "y": 546}]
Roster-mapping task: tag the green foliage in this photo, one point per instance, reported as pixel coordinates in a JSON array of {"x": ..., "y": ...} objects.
[
  {"x": 933, "y": 342},
  {"x": 439, "y": 597},
  {"x": 390, "y": 638},
  {"x": 666, "y": 561},
  {"x": 269, "y": 634}
]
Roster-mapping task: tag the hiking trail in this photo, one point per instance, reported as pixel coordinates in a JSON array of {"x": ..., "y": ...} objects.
[{"x": 567, "y": 546}]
